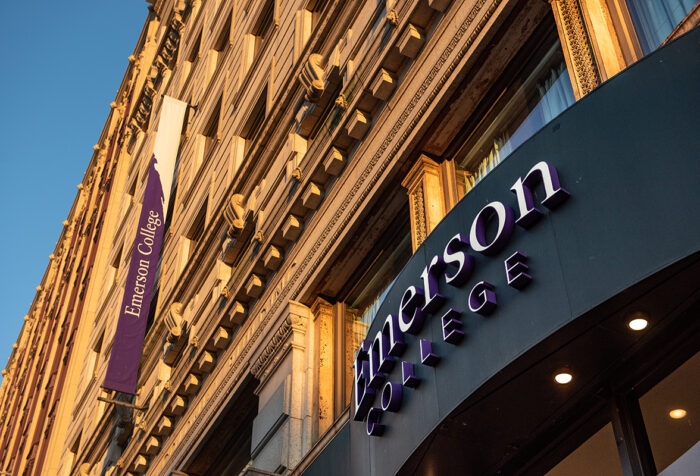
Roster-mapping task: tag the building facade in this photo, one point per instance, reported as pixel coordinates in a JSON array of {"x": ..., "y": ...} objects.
[
  {"x": 329, "y": 149},
  {"x": 37, "y": 381}
]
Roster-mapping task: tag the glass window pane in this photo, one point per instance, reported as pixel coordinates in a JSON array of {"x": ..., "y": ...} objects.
[
  {"x": 370, "y": 290},
  {"x": 598, "y": 455},
  {"x": 671, "y": 412},
  {"x": 654, "y": 20},
  {"x": 537, "y": 94}
]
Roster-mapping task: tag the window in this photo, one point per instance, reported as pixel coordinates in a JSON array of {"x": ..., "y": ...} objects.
[
  {"x": 370, "y": 285},
  {"x": 113, "y": 271},
  {"x": 73, "y": 453},
  {"x": 211, "y": 131},
  {"x": 657, "y": 432},
  {"x": 154, "y": 303},
  {"x": 128, "y": 198},
  {"x": 92, "y": 364},
  {"x": 97, "y": 353},
  {"x": 170, "y": 211},
  {"x": 225, "y": 449},
  {"x": 349, "y": 296},
  {"x": 598, "y": 455},
  {"x": 537, "y": 91},
  {"x": 224, "y": 39},
  {"x": 316, "y": 7},
  {"x": 132, "y": 189},
  {"x": 305, "y": 23},
  {"x": 217, "y": 53},
  {"x": 654, "y": 20},
  {"x": 191, "y": 58},
  {"x": 264, "y": 27},
  {"x": 256, "y": 40},
  {"x": 255, "y": 120},
  {"x": 196, "y": 231},
  {"x": 379, "y": 271},
  {"x": 194, "y": 52},
  {"x": 671, "y": 412}
]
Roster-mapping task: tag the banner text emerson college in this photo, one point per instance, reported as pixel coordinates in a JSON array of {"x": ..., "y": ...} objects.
[{"x": 146, "y": 237}]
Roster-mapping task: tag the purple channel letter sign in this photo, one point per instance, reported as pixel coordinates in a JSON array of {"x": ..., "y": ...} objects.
[{"x": 376, "y": 358}]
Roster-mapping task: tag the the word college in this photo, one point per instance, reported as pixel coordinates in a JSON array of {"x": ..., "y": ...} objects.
[{"x": 378, "y": 356}]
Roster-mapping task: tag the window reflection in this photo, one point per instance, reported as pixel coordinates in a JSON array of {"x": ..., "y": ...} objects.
[
  {"x": 671, "y": 412},
  {"x": 654, "y": 20},
  {"x": 598, "y": 455},
  {"x": 369, "y": 295},
  {"x": 539, "y": 93}
]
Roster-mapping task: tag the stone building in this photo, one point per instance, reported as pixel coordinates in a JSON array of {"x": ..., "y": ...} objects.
[
  {"x": 37, "y": 381},
  {"x": 324, "y": 141}
]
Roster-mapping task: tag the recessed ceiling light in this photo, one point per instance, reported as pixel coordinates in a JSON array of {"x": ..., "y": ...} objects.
[
  {"x": 677, "y": 414},
  {"x": 563, "y": 378},
  {"x": 638, "y": 324}
]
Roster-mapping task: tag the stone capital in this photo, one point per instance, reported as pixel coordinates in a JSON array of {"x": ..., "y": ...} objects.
[{"x": 424, "y": 183}]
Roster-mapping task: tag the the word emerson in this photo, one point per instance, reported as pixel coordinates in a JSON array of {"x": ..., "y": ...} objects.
[
  {"x": 144, "y": 247},
  {"x": 377, "y": 357}
]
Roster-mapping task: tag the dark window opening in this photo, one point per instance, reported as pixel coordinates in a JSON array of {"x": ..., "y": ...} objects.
[
  {"x": 226, "y": 450},
  {"x": 152, "y": 307},
  {"x": 196, "y": 231},
  {"x": 264, "y": 27},
  {"x": 255, "y": 121},
  {"x": 97, "y": 350},
  {"x": 173, "y": 196},
  {"x": 113, "y": 273},
  {"x": 132, "y": 187},
  {"x": 371, "y": 282},
  {"x": 211, "y": 131},
  {"x": 316, "y": 7},
  {"x": 224, "y": 38},
  {"x": 192, "y": 57},
  {"x": 194, "y": 51}
]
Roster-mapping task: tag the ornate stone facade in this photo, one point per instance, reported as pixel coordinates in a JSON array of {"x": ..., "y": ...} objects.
[{"x": 287, "y": 217}]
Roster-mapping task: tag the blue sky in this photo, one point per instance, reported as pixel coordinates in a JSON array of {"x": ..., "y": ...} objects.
[{"x": 62, "y": 63}]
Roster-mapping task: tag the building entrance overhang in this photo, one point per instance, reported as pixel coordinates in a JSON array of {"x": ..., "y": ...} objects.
[{"x": 625, "y": 241}]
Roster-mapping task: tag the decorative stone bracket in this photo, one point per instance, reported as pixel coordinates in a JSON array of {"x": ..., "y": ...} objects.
[
  {"x": 245, "y": 222},
  {"x": 319, "y": 83},
  {"x": 313, "y": 77},
  {"x": 178, "y": 330}
]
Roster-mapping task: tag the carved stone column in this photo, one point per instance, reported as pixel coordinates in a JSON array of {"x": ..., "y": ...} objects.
[
  {"x": 322, "y": 311},
  {"x": 611, "y": 42},
  {"x": 282, "y": 429},
  {"x": 355, "y": 331},
  {"x": 577, "y": 45},
  {"x": 425, "y": 185}
]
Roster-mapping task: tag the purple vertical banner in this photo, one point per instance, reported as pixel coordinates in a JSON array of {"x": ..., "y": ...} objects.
[{"x": 122, "y": 371}]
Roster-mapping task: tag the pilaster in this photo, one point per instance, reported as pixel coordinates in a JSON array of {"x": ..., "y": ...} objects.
[
  {"x": 425, "y": 185},
  {"x": 282, "y": 429},
  {"x": 355, "y": 331},
  {"x": 609, "y": 47},
  {"x": 578, "y": 48},
  {"x": 322, "y": 312}
]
